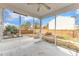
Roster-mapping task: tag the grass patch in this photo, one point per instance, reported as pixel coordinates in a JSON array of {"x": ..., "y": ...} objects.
[{"x": 65, "y": 37}]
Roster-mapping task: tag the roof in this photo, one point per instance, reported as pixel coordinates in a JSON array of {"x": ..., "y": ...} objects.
[{"x": 31, "y": 8}]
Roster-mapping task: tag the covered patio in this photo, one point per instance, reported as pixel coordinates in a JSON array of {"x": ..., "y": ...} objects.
[
  {"x": 41, "y": 35},
  {"x": 29, "y": 47}
]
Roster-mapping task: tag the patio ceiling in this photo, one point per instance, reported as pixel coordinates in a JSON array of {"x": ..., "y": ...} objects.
[{"x": 31, "y": 8}]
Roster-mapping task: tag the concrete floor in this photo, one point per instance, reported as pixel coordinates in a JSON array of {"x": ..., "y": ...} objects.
[{"x": 26, "y": 46}]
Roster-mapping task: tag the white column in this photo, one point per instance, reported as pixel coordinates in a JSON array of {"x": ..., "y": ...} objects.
[
  {"x": 55, "y": 32},
  {"x": 20, "y": 25},
  {"x": 40, "y": 29},
  {"x": 33, "y": 27}
]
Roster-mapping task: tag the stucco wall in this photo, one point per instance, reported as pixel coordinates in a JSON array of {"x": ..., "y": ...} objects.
[{"x": 1, "y": 26}]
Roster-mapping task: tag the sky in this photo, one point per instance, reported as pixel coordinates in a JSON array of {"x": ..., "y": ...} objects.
[
  {"x": 69, "y": 14},
  {"x": 13, "y": 18}
]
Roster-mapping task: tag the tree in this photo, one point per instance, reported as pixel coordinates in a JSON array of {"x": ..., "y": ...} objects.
[
  {"x": 26, "y": 25},
  {"x": 37, "y": 25},
  {"x": 12, "y": 29},
  {"x": 45, "y": 27}
]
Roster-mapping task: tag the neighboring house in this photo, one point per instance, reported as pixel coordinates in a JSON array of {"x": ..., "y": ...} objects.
[
  {"x": 62, "y": 23},
  {"x": 65, "y": 25}
]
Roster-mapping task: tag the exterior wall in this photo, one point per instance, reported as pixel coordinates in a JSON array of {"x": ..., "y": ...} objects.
[{"x": 1, "y": 26}]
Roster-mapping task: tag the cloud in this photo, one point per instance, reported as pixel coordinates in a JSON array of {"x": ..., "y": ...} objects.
[
  {"x": 13, "y": 15},
  {"x": 26, "y": 18},
  {"x": 6, "y": 24},
  {"x": 29, "y": 18},
  {"x": 77, "y": 11}
]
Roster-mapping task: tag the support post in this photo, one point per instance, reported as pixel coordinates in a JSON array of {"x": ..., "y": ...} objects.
[
  {"x": 40, "y": 29},
  {"x": 74, "y": 31},
  {"x": 2, "y": 24},
  {"x": 33, "y": 27},
  {"x": 40, "y": 26},
  {"x": 20, "y": 25},
  {"x": 55, "y": 32}
]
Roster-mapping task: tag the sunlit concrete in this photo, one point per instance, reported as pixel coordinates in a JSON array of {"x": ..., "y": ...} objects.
[{"x": 26, "y": 46}]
